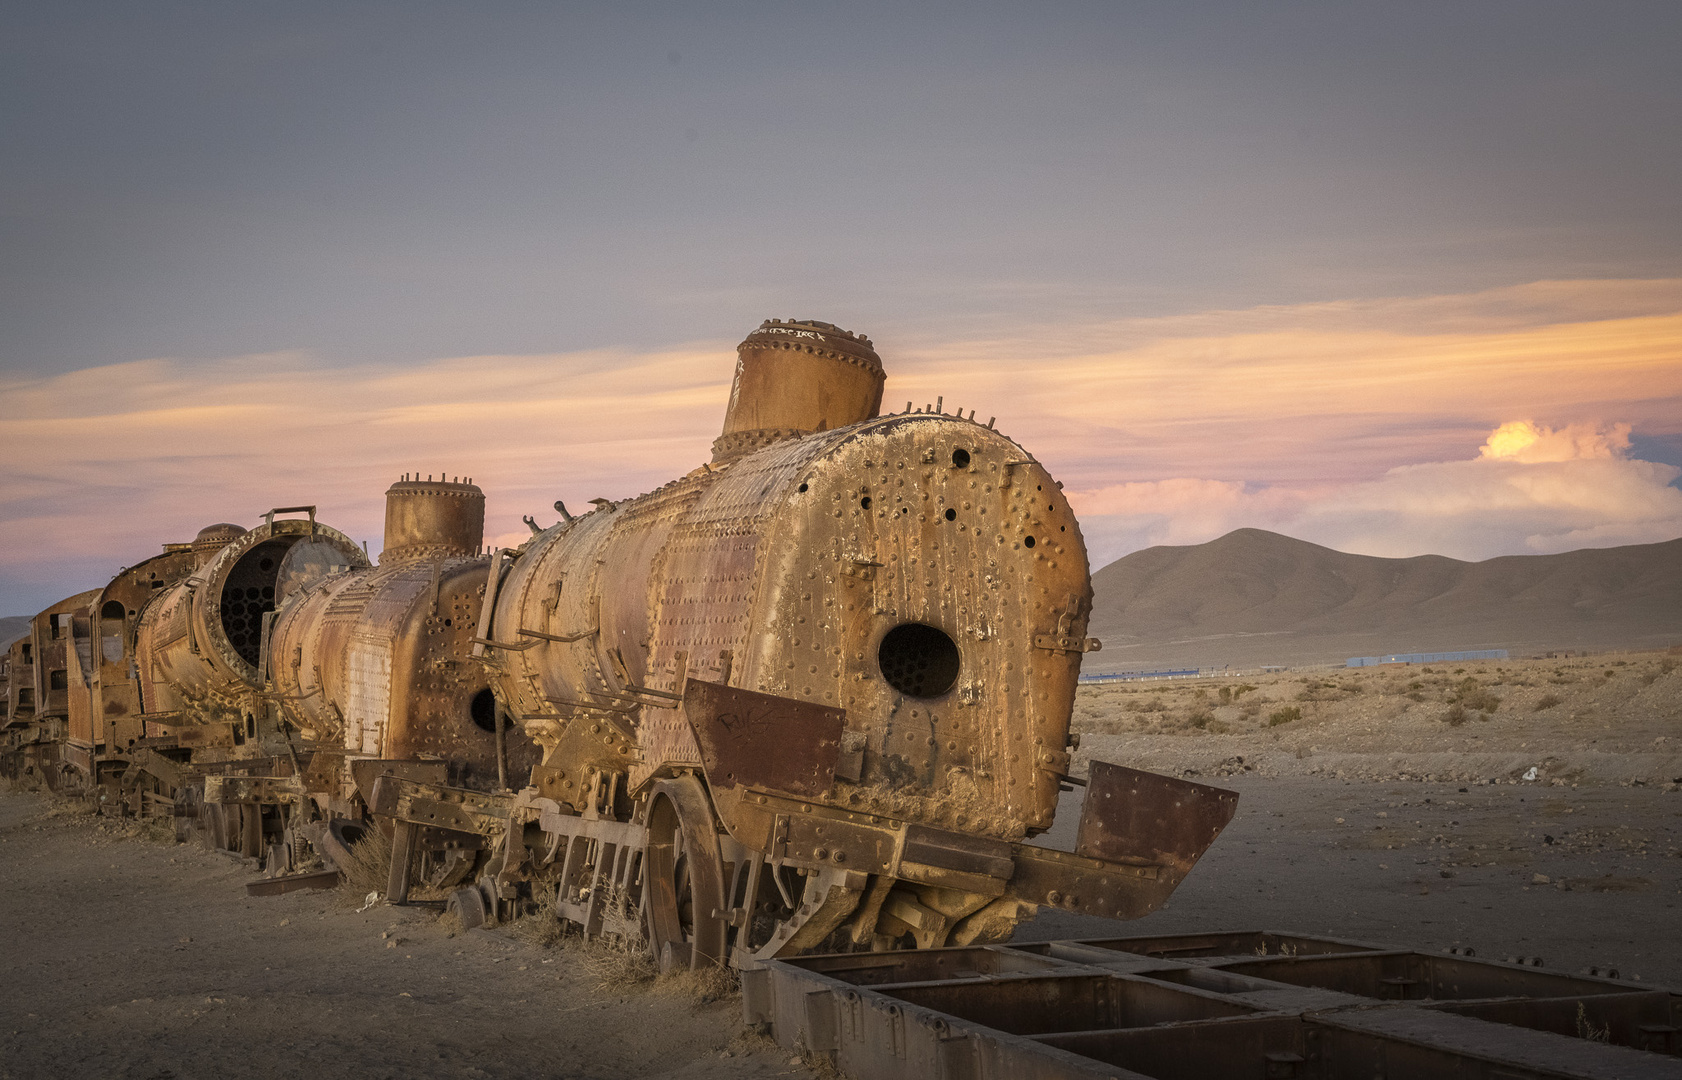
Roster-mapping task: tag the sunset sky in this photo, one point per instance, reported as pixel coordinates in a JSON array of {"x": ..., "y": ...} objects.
[{"x": 1395, "y": 278}]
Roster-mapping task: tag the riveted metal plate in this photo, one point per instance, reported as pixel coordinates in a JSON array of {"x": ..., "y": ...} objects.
[
  {"x": 764, "y": 741},
  {"x": 1131, "y": 815}
]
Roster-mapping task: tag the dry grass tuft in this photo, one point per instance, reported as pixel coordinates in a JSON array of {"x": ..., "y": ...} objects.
[
  {"x": 24, "y": 784},
  {"x": 369, "y": 866},
  {"x": 705, "y": 986},
  {"x": 618, "y": 964}
]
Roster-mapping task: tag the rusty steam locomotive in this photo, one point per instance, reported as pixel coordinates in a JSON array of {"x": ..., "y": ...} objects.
[{"x": 816, "y": 692}]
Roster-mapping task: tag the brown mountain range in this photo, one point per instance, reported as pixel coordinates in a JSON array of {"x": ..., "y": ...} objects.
[{"x": 1254, "y": 597}]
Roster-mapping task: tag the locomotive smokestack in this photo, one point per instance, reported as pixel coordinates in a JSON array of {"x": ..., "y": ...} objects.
[
  {"x": 797, "y": 377},
  {"x": 426, "y": 519}
]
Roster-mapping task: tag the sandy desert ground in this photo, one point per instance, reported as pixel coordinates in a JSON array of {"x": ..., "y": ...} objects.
[
  {"x": 1522, "y": 808},
  {"x": 1367, "y": 811}
]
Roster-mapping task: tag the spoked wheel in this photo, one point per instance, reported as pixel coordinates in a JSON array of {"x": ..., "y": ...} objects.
[
  {"x": 683, "y": 878},
  {"x": 211, "y": 826},
  {"x": 228, "y": 827}
]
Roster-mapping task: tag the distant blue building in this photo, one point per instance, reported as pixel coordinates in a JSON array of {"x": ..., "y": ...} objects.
[
  {"x": 1123, "y": 676},
  {"x": 1426, "y": 657}
]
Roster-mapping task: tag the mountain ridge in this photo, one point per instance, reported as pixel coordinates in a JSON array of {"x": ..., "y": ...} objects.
[{"x": 1257, "y": 597}]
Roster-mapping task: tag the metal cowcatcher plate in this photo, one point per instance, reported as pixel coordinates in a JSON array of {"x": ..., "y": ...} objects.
[
  {"x": 755, "y": 740},
  {"x": 1131, "y": 815}
]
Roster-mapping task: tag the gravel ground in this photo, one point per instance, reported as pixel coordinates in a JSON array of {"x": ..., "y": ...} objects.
[
  {"x": 1521, "y": 808},
  {"x": 130, "y": 958},
  {"x": 1374, "y": 811}
]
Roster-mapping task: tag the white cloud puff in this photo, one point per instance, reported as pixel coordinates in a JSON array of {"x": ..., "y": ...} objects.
[{"x": 1531, "y": 489}]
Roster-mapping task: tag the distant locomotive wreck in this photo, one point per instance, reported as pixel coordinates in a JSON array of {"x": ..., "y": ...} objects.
[{"x": 815, "y": 693}]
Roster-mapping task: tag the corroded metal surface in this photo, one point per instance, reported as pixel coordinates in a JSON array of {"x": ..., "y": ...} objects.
[
  {"x": 200, "y": 642},
  {"x": 1141, "y": 817},
  {"x": 734, "y": 727},
  {"x": 376, "y": 662},
  {"x": 1240, "y": 1005},
  {"x": 794, "y": 378}
]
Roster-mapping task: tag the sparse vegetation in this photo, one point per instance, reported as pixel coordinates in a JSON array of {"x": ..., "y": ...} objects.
[
  {"x": 1439, "y": 710},
  {"x": 1586, "y": 1028},
  {"x": 1473, "y": 695},
  {"x": 369, "y": 868}
]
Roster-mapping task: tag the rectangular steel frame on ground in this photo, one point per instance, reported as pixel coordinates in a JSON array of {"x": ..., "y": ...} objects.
[{"x": 1247, "y": 1004}]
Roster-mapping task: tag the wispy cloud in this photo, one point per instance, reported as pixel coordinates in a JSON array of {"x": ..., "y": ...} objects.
[{"x": 1471, "y": 425}]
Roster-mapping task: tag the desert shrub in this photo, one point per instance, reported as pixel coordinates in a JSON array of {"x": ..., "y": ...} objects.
[
  {"x": 1547, "y": 701},
  {"x": 1456, "y": 715},
  {"x": 1666, "y": 666},
  {"x": 1416, "y": 695},
  {"x": 1199, "y": 719},
  {"x": 1249, "y": 709},
  {"x": 1473, "y": 695},
  {"x": 369, "y": 867},
  {"x": 617, "y": 964},
  {"x": 1153, "y": 705},
  {"x": 1288, "y": 714}
]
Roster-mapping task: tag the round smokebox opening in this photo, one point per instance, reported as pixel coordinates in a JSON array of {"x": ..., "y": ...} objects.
[
  {"x": 918, "y": 660},
  {"x": 483, "y": 709}
]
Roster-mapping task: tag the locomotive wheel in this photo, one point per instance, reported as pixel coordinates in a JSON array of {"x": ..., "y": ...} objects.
[
  {"x": 248, "y": 840},
  {"x": 209, "y": 827},
  {"x": 683, "y": 878}
]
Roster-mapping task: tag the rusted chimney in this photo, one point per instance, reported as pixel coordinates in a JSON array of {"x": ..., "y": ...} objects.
[
  {"x": 797, "y": 377},
  {"x": 426, "y": 519}
]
